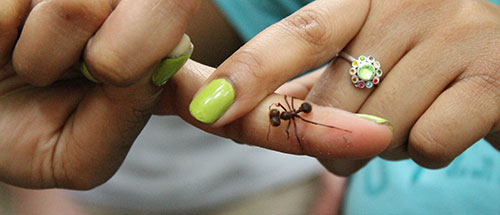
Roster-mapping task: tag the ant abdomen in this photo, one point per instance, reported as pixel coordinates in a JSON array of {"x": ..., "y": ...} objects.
[{"x": 305, "y": 107}]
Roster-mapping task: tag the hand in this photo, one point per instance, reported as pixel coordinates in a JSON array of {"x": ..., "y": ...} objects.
[
  {"x": 441, "y": 68},
  {"x": 254, "y": 127},
  {"x": 71, "y": 133}
]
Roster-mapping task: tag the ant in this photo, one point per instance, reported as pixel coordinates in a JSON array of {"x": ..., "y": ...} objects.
[{"x": 275, "y": 117}]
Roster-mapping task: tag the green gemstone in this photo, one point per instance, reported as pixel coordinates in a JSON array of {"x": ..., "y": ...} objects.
[
  {"x": 362, "y": 58},
  {"x": 366, "y": 73}
]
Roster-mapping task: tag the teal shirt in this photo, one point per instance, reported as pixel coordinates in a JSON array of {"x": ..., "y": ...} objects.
[
  {"x": 249, "y": 17},
  {"x": 470, "y": 185}
]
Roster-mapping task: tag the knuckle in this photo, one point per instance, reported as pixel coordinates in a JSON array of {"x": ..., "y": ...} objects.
[
  {"x": 489, "y": 82},
  {"x": 188, "y": 7},
  {"x": 249, "y": 65},
  {"x": 109, "y": 68},
  {"x": 472, "y": 18},
  {"x": 484, "y": 78},
  {"x": 309, "y": 25},
  {"x": 9, "y": 17},
  {"x": 27, "y": 72},
  {"x": 428, "y": 151},
  {"x": 84, "y": 15}
]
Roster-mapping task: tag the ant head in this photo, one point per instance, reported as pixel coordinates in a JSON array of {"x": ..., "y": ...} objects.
[
  {"x": 274, "y": 117},
  {"x": 305, "y": 107}
]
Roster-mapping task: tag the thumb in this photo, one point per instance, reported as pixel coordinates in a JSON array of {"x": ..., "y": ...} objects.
[{"x": 98, "y": 136}]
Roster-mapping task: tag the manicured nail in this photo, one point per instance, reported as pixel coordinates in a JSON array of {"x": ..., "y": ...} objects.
[
  {"x": 169, "y": 66},
  {"x": 86, "y": 73},
  {"x": 377, "y": 119},
  {"x": 212, "y": 101}
]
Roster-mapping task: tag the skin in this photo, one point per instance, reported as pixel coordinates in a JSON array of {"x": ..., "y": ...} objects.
[
  {"x": 327, "y": 202},
  {"x": 80, "y": 132},
  {"x": 68, "y": 132},
  {"x": 85, "y": 153},
  {"x": 60, "y": 130},
  {"x": 441, "y": 78}
]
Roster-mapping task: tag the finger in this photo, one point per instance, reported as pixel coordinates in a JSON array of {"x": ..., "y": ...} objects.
[
  {"x": 301, "y": 86},
  {"x": 12, "y": 12},
  {"x": 410, "y": 88},
  {"x": 459, "y": 117},
  {"x": 373, "y": 40},
  {"x": 54, "y": 36},
  {"x": 363, "y": 139},
  {"x": 302, "y": 41},
  {"x": 158, "y": 26}
]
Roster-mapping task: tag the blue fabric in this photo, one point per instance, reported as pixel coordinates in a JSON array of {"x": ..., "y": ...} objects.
[
  {"x": 249, "y": 17},
  {"x": 470, "y": 185}
]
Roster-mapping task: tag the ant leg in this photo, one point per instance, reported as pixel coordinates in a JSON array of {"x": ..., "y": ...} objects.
[
  {"x": 297, "y": 135},
  {"x": 293, "y": 106},
  {"x": 282, "y": 107},
  {"x": 274, "y": 104},
  {"x": 288, "y": 104},
  {"x": 287, "y": 130},
  {"x": 316, "y": 123},
  {"x": 268, "y": 131}
]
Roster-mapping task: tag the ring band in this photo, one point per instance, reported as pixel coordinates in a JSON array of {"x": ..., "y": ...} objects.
[{"x": 364, "y": 71}]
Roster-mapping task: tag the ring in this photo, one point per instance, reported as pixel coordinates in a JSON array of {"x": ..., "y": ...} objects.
[{"x": 365, "y": 71}]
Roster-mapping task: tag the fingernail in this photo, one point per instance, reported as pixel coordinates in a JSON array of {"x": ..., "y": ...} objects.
[
  {"x": 377, "y": 119},
  {"x": 169, "y": 66},
  {"x": 86, "y": 73},
  {"x": 211, "y": 102}
]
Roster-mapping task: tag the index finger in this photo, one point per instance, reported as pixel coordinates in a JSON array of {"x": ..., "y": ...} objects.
[
  {"x": 302, "y": 41},
  {"x": 362, "y": 139}
]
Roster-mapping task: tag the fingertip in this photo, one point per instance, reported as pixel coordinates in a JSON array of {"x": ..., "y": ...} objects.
[
  {"x": 363, "y": 139},
  {"x": 427, "y": 151},
  {"x": 107, "y": 67},
  {"x": 212, "y": 101},
  {"x": 344, "y": 168},
  {"x": 27, "y": 72},
  {"x": 84, "y": 70},
  {"x": 170, "y": 65}
]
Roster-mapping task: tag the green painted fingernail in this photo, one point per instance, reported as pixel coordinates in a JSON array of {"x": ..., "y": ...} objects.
[
  {"x": 212, "y": 101},
  {"x": 169, "y": 66},
  {"x": 377, "y": 119},
  {"x": 86, "y": 73}
]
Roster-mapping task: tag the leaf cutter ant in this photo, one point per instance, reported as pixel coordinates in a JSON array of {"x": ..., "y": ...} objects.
[{"x": 275, "y": 117}]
